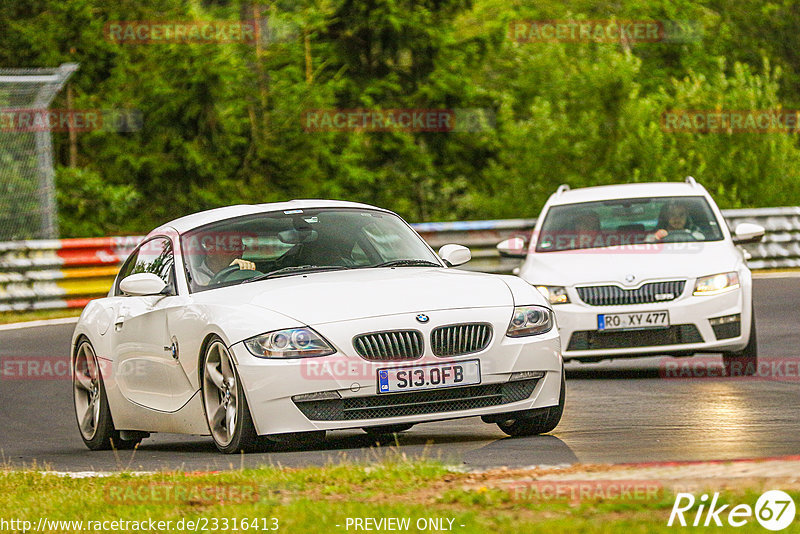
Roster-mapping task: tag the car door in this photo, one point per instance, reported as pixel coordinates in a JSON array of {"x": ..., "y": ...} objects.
[{"x": 145, "y": 365}]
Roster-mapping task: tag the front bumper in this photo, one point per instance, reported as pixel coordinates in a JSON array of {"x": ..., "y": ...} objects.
[
  {"x": 270, "y": 384},
  {"x": 689, "y": 316}
]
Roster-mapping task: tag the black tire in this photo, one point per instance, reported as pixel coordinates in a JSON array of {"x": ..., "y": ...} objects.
[
  {"x": 387, "y": 430},
  {"x": 244, "y": 437},
  {"x": 101, "y": 435},
  {"x": 537, "y": 421},
  {"x": 745, "y": 361}
]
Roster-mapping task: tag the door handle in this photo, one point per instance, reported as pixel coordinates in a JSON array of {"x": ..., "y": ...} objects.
[{"x": 118, "y": 322}]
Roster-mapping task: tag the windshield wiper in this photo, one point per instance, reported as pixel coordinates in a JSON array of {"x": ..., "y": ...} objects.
[
  {"x": 407, "y": 263},
  {"x": 296, "y": 269}
]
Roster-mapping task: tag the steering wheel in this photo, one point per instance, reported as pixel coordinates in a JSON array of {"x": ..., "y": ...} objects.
[
  {"x": 679, "y": 236},
  {"x": 232, "y": 272}
]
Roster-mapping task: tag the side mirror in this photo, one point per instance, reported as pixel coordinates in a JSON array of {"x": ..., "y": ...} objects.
[
  {"x": 513, "y": 248},
  {"x": 454, "y": 255},
  {"x": 748, "y": 233},
  {"x": 142, "y": 284}
]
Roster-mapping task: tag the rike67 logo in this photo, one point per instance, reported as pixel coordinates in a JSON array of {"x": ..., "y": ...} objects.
[{"x": 774, "y": 510}]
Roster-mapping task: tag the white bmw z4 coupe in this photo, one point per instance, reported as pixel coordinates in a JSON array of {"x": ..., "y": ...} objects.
[
  {"x": 261, "y": 323},
  {"x": 641, "y": 270}
]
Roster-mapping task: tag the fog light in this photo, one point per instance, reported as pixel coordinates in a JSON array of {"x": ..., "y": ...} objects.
[
  {"x": 726, "y": 319},
  {"x": 727, "y": 327},
  {"x": 317, "y": 396},
  {"x": 525, "y": 375}
]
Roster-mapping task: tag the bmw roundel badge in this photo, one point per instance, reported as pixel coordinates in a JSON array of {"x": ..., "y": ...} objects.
[{"x": 422, "y": 318}]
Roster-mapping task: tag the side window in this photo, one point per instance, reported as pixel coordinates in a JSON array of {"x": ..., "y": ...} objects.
[{"x": 155, "y": 257}]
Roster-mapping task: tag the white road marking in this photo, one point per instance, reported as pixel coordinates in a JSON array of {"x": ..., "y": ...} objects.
[
  {"x": 43, "y": 322},
  {"x": 98, "y": 474}
]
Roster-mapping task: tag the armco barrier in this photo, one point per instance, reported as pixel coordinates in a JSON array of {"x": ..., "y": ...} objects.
[{"x": 67, "y": 273}]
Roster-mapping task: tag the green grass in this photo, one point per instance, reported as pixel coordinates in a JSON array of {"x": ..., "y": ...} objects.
[
  {"x": 317, "y": 499},
  {"x": 37, "y": 315}
]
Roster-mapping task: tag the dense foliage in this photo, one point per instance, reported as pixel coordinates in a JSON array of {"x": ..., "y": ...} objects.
[{"x": 223, "y": 123}]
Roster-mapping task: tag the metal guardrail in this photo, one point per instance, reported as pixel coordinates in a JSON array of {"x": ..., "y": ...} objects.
[{"x": 67, "y": 273}]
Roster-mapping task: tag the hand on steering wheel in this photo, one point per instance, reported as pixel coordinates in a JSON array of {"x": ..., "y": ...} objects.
[
  {"x": 235, "y": 266},
  {"x": 244, "y": 265}
]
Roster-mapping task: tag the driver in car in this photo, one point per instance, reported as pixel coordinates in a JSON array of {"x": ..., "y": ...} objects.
[
  {"x": 674, "y": 219},
  {"x": 220, "y": 254},
  {"x": 587, "y": 228}
]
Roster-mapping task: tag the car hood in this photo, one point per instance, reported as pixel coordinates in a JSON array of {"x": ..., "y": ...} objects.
[
  {"x": 325, "y": 297},
  {"x": 649, "y": 261}
]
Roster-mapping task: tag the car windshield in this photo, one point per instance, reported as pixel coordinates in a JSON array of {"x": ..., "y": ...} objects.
[
  {"x": 291, "y": 242},
  {"x": 627, "y": 222}
]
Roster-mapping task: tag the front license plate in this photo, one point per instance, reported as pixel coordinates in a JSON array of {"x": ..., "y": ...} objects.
[
  {"x": 437, "y": 375},
  {"x": 619, "y": 321}
]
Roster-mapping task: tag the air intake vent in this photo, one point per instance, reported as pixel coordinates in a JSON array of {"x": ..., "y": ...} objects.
[
  {"x": 392, "y": 345},
  {"x": 627, "y": 339},
  {"x": 616, "y": 296},
  {"x": 418, "y": 402},
  {"x": 458, "y": 339}
]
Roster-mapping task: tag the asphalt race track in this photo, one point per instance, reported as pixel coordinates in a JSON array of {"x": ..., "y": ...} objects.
[{"x": 619, "y": 411}]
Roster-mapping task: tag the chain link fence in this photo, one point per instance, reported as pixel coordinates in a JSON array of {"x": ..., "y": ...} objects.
[{"x": 27, "y": 184}]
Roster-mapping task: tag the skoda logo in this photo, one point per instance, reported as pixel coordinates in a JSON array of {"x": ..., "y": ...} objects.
[
  {"x": 630, "y": 278},
  {"x": 422, "y": 318}
]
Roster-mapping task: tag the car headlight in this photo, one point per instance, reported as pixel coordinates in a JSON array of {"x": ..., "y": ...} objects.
[
  {"x": 290, "y": 343},
  {"x": 554, "y": 294},
  {"x": 529, "y": 321},
  {"x": 716, "y": 284}
]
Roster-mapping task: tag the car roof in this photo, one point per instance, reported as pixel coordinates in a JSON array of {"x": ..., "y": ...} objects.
[
  {"x": 195, "y": 220},
  {"x": 614, "y": 192}
]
